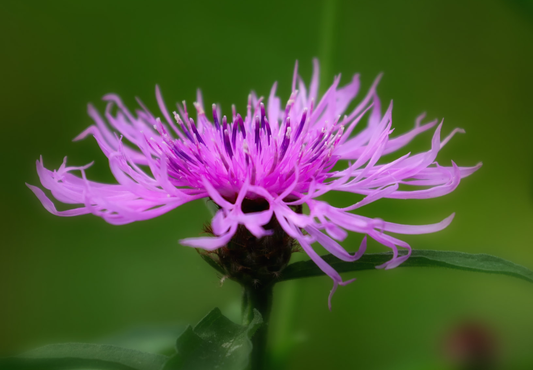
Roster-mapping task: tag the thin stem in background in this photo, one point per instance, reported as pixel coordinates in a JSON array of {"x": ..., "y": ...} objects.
[
  {"x": 283, "y": 338},
  {"x": 327, "y": 41}
]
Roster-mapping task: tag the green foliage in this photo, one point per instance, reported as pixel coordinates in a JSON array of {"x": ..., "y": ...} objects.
[
  {"x": 419, "y": 258},
  {"x": 148, "y": 338},
  {"x": 70, "y": 356},
  {"x": 215, "y": 343},
  {"x": 218, "y": 343}
]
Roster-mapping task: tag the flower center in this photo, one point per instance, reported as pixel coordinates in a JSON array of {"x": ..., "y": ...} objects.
[{"x": 272, "y": 153}]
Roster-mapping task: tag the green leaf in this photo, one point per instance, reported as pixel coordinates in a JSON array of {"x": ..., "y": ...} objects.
[
  {"x": 70, "y": 356},
  {"x": 215, "y": 343},
  {"x": 419, "y": 258},
  {"x": 148, "y": 338}
]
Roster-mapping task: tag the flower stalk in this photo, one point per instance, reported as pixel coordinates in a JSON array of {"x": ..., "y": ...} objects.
[{"x": 259, "y": 298}]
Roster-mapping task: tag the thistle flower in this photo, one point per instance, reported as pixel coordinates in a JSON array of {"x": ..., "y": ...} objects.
[{"x": 259, "y": 168}]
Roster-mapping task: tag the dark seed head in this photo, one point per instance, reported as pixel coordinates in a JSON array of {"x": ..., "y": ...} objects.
[{"x": 250, "y": 260}]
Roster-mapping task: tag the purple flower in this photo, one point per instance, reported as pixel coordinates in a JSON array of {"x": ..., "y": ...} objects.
[{"x": 281, "y": 157}]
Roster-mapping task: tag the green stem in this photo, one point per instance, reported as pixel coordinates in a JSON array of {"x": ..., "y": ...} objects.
[
  {"x": 259, "y": 298},
  {"x": 283, "y": 327},
  {"x": 327, "y": 41}
]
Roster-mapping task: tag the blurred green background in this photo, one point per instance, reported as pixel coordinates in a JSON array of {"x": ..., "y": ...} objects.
[{"x": 80, "y": 279}]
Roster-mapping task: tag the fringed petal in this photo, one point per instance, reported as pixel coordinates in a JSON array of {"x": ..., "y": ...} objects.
[{"x": 210, "y": 243}]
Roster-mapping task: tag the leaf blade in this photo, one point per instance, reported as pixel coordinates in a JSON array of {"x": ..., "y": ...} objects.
[
  {"x": 215, "y": 342},
  {"x": 159, "y": 339},
  {"x": 419, "y": 258},
  {"x": 83, "y": 356}
]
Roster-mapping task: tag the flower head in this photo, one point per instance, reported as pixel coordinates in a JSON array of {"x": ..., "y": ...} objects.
[{"x": 260, "y": 167}]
